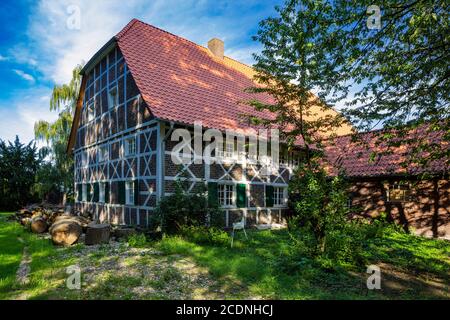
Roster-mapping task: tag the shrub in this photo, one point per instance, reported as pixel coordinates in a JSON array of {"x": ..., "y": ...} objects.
[
  {"x": 320, "y": 221},
  {"x": 137, "y": 240},
  {"x": 205, "y": 235},
  {"x": 184, "y": 208}
]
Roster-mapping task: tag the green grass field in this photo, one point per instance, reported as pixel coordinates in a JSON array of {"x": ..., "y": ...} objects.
[
  {"x": 412, "y": 268},
  {"x": 175, "y": 268}
]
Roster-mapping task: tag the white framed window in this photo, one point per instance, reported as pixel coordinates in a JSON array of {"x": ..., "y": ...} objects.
[
  {"x": 229, "y": 149},
  {"x": 84, "y": 158},
  {"x": 102, "y": 188},
  {"x": 279, "y": 196},
  {"x": 129, "y": 192},
  {"x": 227, "y": 195},
  {"x": 91, "y": 111},
  {"x": 228, "y": 152},
  {"x": 130, "y": 146},
  {"x": 113, "y": 97},
  {"x": 84, "y": 194},
  {"x": 103, "y": 154}
]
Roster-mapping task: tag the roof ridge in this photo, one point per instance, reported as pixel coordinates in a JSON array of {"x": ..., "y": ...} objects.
[{"x": 125, "y": 29}]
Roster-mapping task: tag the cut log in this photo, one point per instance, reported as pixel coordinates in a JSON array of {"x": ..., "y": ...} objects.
[
  {"x": 38, "y": 225},
  {"x": 26, "y": 222},
  {"x": 65, "y": 233},
  {"x": 24, "y": 212},
  {"x": 97, "y": 233},
  {"x": 81, "y": 221}
]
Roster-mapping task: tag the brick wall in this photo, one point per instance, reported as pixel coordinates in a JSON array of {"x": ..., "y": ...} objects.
[{"x": 426, "y": 211}]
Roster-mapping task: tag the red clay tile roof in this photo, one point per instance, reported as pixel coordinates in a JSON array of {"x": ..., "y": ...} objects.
[
  {"x": 354, "y": 157},
  {"x": 183, "y": 82},
  {"x": 180, "y": 81}
]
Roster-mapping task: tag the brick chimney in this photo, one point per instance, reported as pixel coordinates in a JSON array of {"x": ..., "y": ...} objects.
[{"x": 216, "y": 46}]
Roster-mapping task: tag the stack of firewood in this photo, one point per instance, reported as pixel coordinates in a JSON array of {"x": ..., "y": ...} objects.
[
  {"x": 64, "y": 227},
  {"x": 38, "y": 217}
]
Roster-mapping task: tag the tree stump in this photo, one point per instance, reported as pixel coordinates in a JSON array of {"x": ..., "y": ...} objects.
[
  {"x": 38, "y": 225},
  {"x": 97, "y": 233},
  {"x": 65, "y": 232}
]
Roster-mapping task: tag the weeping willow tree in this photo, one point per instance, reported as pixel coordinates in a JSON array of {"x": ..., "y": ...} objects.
[{"x": 56, "y": 135}]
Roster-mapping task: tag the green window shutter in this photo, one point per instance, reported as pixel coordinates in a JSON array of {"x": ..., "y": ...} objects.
[
  {"x": 213, "y": 198},
  {"x": 106, "y": 192},
  {"x": 136, "y": 192},
  {"x": 121, "y": 185},
  {"x": 269, "y": 196},
  {"x": 241, "y": 199},
  {"x": 80, "y": 192},
  {"x": 96, "y": 192}
]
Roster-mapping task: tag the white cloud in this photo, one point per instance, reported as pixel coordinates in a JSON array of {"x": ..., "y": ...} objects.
[
  {"x": 61, "y": 48},
  {"x": 243, "y": 54},
  {"x": 19, "y": 115},
  {"x": 52, "y": 49},
  {"x": 24, "y": 75}
]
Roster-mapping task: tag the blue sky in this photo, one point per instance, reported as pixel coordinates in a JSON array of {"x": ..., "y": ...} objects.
[{"x": 39, "y": 50}]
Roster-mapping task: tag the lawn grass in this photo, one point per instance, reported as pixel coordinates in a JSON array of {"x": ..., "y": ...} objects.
[
  {"x": 43, "y": 260},
  {"x": 10, "y": 253},
  {"x": 413, "y": 267},
  {"x": 260, "y": 267}
]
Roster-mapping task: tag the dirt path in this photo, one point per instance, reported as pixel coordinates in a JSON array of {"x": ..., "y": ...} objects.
[
  {"x": 23, "y": 272},
  {"x": 117, "y": 271}
]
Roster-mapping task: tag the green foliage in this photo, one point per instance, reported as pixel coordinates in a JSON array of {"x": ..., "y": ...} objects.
[
  {"x": 57, "y": 133},
  {"x": 289, "y": 67},
  {"x": 320, "y": 204},
  {"x": 395, "y": 75},
  {"x": 321, "y": 227},
  {"x": 184, "y": 208},
  {"x": 205, "y": 235},
  {"x": 137, "y": 240},
  {"x": 18, "y": 166},
  {"x": 44, "y": 185}
]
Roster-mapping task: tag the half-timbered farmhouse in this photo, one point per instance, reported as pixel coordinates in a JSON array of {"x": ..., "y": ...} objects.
[{"x": 135, "y": 91}]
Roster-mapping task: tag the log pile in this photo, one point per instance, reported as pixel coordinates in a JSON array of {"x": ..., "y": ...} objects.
[
  {"x": 38, "y": 217},
  {"x": 64, "y": 226}
]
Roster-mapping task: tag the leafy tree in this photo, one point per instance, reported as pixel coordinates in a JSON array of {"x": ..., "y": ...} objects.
[
  {"x": 393, "y": 74},
  {"x": 57, "y": 133},
  {"x": 319, "y": 203},
  {"x": 289, "y": 68},
  {"x": 18, "y": 166},
  {"x": 401, "y": 66},
  {"x": 44, "y": 186}
]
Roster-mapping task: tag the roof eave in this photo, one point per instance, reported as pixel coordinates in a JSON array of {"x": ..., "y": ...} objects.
[{"x": 99, "y": 55}]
